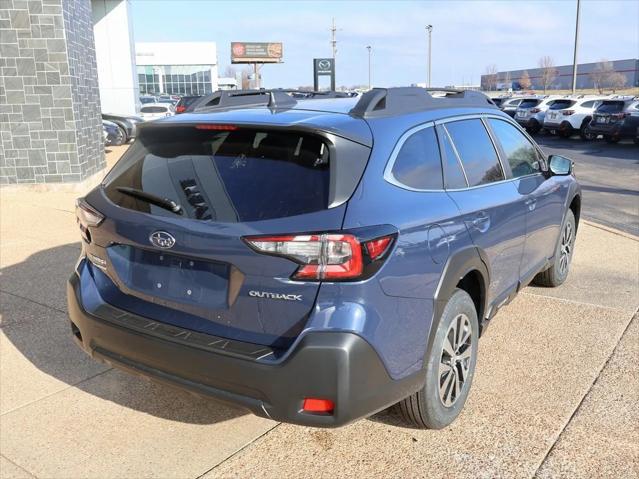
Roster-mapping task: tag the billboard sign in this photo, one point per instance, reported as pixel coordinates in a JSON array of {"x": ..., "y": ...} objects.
[{"x": 256, "y": 52}]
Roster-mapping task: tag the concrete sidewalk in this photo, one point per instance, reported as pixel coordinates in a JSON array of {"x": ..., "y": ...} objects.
[{"x": 554, "y": 393}]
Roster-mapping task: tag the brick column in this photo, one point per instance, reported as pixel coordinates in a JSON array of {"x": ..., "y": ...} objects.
[{"x": 50, "y": 124}]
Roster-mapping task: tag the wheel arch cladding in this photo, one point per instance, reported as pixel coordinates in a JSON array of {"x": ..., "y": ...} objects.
[
  {"x": 575, "y": 207},
  {"x": 467, "y": 270}
]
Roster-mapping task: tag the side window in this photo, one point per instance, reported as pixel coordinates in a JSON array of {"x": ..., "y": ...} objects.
[
  {"x": 476, "y": 151},
  {"x": 418, "y": 164},
  {"x": 453, "y": 175},
  {"x": 522, "y": 156},
  {"x": 588, "y": 104}
]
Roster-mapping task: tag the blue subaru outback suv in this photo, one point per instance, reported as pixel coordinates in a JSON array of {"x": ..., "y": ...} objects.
[{"x": 316, "y": 261}]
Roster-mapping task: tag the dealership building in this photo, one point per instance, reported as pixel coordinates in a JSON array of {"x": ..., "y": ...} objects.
[
  {"x": 563, "y": 80},
  {"x": 185, "y": 68}
]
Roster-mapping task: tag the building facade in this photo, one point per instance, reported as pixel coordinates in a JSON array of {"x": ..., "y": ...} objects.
[
  {"x": 50, "y": 125},
  {"x": 187, "y": 68},
  {"x": 563, "y": 80}
]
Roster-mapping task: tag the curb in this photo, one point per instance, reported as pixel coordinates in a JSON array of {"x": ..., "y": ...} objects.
[{"x": 610, "y": 230}]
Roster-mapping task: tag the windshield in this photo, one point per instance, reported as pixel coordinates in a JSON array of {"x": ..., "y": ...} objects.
[{"x": 227, "y": 176}]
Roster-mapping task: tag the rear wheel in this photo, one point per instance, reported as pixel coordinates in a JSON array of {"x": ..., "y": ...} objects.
[
  {"x": 450, "y": 366},
  {"x": 533, "y": 127},
  {"x": 565, "y": 130},
  {"x": 586, "y": 133},
  {"x": 120, "y": 137},
  {"x": 558, "y": 272}
]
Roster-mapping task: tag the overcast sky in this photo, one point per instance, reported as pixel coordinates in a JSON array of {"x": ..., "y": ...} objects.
[{"x": 467, "y": 35}]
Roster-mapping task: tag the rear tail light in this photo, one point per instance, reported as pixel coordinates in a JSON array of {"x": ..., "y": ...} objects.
[
  {"x": 568, "y": 112},
  {"x": 86, "y": 214},
  {"x": 619, "y": 116},
  {"x": 535, "y": 110},
  {"x": 208, "y": 126},
  {"x": 180, "y": 109},
  {"x": 332, "y": 257}
]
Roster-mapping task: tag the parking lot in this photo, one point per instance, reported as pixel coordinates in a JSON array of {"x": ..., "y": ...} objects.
[{"x": 554, "y": 394}]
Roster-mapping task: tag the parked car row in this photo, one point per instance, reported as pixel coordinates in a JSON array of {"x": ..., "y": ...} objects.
[{"x": 590, "y": 116}]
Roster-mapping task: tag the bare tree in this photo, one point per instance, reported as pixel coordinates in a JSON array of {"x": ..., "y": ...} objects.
[
  {"x": 524, "y": 81},
  {"x": 230, "y": 71},
  {"x": 616, "y": 80},
  {"x": 548, "y": 71},
  {"x": 601, "y": 73},
  {"x": 490, "y": 77}
]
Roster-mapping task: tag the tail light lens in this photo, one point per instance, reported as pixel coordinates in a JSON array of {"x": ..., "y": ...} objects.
[
  {"x": 568, "y": 112},
  {"x": 180, "y": 109},
  {"x": 324, "y": 257},
  {"x": 86, "y": 214},
  {"x": 619, "y": 116},
  {"x": 535, "y": 110}
]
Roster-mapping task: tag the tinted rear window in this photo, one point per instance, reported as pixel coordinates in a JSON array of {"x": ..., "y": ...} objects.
[
  {"x": 153, "y": 109},
  {"x": 561, "y": 104},
  {"x": 476, "y": 151},
  {"x": 225, "y": 176},
  {"x": 529, "y": 103},
  {"x": 610, "y": 107}
]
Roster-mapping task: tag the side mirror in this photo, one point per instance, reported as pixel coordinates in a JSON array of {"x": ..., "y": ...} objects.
[{"x": 559, "y": 166}]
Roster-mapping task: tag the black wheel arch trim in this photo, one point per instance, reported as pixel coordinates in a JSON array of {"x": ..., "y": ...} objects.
[{"x": 458, "y": 265}]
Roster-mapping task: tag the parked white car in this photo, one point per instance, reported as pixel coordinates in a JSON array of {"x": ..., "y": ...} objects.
[
  {"x": 153, "y": 111},
  {"x": 567, "y": 116},
  {"x": 510, "y": 105},
  {"x": 532, "y": 111}
]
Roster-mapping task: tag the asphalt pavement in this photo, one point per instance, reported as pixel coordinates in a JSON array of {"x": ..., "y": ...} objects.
[{"x": 609, "y": 177}]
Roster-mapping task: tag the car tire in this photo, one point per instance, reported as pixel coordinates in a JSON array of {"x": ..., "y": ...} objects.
[
  {"x": 586, "y": 133},
  {"x": 120, "y": 139},
  {"x": 558, "y": 271},
  {"x": 565, "y": 130},
  {"x": 533, "y": 127},
  {"x": 442, "y": 398},
  {"x": 611, "y": 139}
]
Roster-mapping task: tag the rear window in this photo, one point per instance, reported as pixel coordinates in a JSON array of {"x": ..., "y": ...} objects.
[
  {"x": 225, "y": 176},
  {"x": 153, "y": 109},
  {"x": 529, "y": 103},
  {"x": 561, "y": 104},
  {"x": 610, "y": 107}
]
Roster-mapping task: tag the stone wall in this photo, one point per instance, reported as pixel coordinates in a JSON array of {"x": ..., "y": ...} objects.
[{"x": 50, "y": 123}]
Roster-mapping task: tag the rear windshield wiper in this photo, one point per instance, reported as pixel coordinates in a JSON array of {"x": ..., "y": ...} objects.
[{"x": 165, "y": 203}]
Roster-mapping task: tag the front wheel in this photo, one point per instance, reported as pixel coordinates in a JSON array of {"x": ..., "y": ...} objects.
[
  {"x": 450, "y": 366},
  {"x": 558, "y": 271},
  {"x": 586, "y": 133}
]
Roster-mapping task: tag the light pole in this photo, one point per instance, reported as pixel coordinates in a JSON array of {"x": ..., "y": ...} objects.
[
  {"x": 430, "y": 31},
  {"x": 369, "y": 66},
  {"x": 574, "y": 58}
]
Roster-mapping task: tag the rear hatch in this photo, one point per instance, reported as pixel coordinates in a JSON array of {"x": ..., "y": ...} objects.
[
  {"x": 610, "y": 112},
  {"x": 525, "y": 107},
  {"x": 558, "y": 110},
  {"x": 179, "y": 207}
]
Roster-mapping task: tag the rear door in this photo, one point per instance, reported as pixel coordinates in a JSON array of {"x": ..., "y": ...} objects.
[
  {"x": 490, "y": 206},
  {"x": 543, "y": 197},
  {"x": 192, "y": 267}
]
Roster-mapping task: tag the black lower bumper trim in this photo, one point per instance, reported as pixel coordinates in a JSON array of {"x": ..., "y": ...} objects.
[{"x": 339, "y": 366}]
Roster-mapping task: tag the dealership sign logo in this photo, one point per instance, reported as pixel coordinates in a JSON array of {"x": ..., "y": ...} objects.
[{"x": 324, "y": 65}]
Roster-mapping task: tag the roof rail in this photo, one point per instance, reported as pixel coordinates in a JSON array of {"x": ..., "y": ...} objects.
[
  {"x": 231, "y": 99},
  {"x": 385, "y": 102}
]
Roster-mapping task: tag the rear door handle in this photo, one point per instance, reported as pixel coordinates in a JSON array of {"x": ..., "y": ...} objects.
[
  {"x": 481, "y": 222},
  {"x": 531, "y": 203}
]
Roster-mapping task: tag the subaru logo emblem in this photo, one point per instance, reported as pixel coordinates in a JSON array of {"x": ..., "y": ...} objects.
[{"x": 162, "y": 239}]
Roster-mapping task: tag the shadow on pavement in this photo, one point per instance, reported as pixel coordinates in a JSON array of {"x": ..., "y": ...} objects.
[{"x": 40, "y": 331}]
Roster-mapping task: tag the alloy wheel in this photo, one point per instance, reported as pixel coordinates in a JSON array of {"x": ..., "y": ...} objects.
[
  {"x": 454, "y": 365},
  {"x": 566, "y": 248}
]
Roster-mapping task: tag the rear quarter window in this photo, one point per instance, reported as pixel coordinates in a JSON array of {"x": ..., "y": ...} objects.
[{"x": 418, "y": 164}]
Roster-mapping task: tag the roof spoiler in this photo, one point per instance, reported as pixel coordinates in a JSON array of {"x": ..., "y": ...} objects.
[
  {"x": 230, "y": 99},
  {"x": 387, "y": 102}
]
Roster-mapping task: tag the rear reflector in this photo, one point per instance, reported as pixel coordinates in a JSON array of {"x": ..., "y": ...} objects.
[
  {"x": 207, "y": 126},
  {"x": 318, "y": 405}
]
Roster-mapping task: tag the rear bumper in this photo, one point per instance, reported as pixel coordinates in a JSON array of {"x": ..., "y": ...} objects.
[
  {"x": 339, "y": 366},
  {"x": 622, "y": 130}
]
